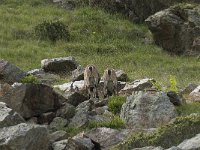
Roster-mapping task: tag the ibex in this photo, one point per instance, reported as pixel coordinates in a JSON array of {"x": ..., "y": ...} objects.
[
  {"x": 110, "y": 82},
  {"x": 91, "y": 80}
]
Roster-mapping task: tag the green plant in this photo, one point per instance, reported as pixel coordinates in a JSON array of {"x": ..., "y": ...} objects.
[
  {"x": 52, "y": 30},
  {"x": 188, "y": 109},
  {"x": 173, "y": 84},
  {"x": 115, "y": 103},
  {"x": 115, "y": 123},
  {"x": 30, "y": 79},
  {"x": 72, "y": 131}
]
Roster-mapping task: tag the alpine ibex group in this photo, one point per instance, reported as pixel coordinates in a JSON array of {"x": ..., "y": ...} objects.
[{"x": 92, "y": 79}]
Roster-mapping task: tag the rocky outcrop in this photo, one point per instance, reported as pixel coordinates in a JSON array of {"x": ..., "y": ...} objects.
[
  {"x": 8, "y": 117},
  {"x": 58, "y": 123},
  {"x": 137, "y": 85},
  {"x": 67, "y": 111},
  {"x": 10, "y": 73},
  {"x": 121, "y": 75},
  {"x": 176, "y": 28},
  {"x": 59, "y": 65},
  {"x": 78, "y": 74},
  {"x": 147, "y": 110},
  {"x": 58, "y": 136},
  {"x": 32, "y": 99},
  {"x": 24, "y": 137}
]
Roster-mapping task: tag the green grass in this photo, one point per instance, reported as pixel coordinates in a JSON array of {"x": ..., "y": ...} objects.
[
  {"x": 188, "y": 109},
  {"x": 96, "y": 38},
  {"x": 166, "y": 136},
  {"x": 115, "y": 104}
]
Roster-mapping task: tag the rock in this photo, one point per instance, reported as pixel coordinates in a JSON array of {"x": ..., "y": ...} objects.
[
  {"x": 24, "y": 137},
  {"x": 67, "y": 111},
  {"x": 59, "y": 65},
  {"x": 66, "y": 4},
  {"x": 147, "y": 110},
  {"x": 81, "y": 117},
  {"x": 191, "y": 144},
  {"x": 101, "y": 110},
  {"x": 137, "y": 85},
  {"x": 189, "y": 89},
  {"x": 78, "y": 74},
  {"x": 46, "y": 118},
  {"x": 58, "y": 136},
  {"x": 176, "y": 28},
  {"x": 174, "y": 148},
  {"x": 31, "y": 100},
  {"x": 4, "y": 88},
  {"x": 8, "y": 117},
  {"x": 58, "y": 123},
  {"x": 175, "y": 98},
  {"x": 10, "y": 73},
  {"x": 60, "y": 145},
  {"x": 75, "y": 98},
  {"x": 195, "y": 95},
  {"x": 35, "y": 72},
  {"x": 121, "y": 75},
  {"x": 106, "y": 137},
  {"x": 149, "y": 148},
  {"x": 33, "y": 120},
  {"x": 80, "y": 142}
]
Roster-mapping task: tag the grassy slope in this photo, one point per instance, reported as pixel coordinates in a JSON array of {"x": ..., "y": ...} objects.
[{"x": 96, "y": 37}]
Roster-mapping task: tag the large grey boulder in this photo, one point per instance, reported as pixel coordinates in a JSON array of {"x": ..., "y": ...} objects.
[
  {"x": 60, "y": 145},
  {"x": 59, "y": 65},
  {"x": 137, "y": 85},
  {"x": 10, "y": 73},
  {"x": 107, "y": 137},
  {"x": 58, "y": 123},
  {"x": 67, "y": 111},
  {"x": 8, "y": 117},
  {"x": 147, "y": 110},
  {"x": 32, "y": 99},
  {"x": 191, "y": 144},
  {"x": 58, "y": 136},
  {"x": 24, "y": 137},
  {"x": 176, "y": 28}
]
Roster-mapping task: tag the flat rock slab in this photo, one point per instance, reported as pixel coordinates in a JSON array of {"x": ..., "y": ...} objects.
[
  {"x": 59, "y": 65},
  {"x": 195, "y": 95}
]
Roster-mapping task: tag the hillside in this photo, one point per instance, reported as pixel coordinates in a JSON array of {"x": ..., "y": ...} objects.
[{"x": 96, "y": 37}]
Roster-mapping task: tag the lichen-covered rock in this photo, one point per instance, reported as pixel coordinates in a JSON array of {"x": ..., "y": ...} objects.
[
  {"x": 67, "y": 111},
  {"x": 58, "y": 123},
  {"x": 58, "y": 136},
  {"x": 149, "y": 148},
  {"x": 59, "y": 65},
  {"x": 137, "y": 85},
  {"x": 46, "y": 118},
  {"x": 176, "y": 28},
  {"x": 147, "y": 110},
  {"x": 8, "y": 117},
  {"x": 60, "y": 145},
  {"x": 31, "y": 100},
  {"x": 10, "y": 73},
  {"x": 24, "y": 137},
  {"x": 78, "y": 74}
]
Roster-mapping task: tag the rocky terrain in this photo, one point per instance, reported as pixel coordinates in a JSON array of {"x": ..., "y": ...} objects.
[
  {"x": 40, "y": 111},
  {"x": 37, "y": 115}
]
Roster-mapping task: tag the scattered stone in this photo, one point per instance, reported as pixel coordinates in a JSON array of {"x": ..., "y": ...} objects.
[
  {"x": 195, "y": 95},
  {"x": 58, "y": 123},
  {"x": 8, "y": 117},
  {"x": 147, "y": 110},
  {"x": 9, "y": 73},
  {"x": 31, "y": 100},
  {"x": 191, "y": 144},
  {"x": 58, "y": 136},
  {"x": 59, "y": 65},
  {"x": 67, "y": 111},
  {"x": 137, "y": 85},
  {"x": 60, "y": 145},
  {"x": 175, "y": 98},
  {"x": 121, "y": 76},
  {"x": 46, "y": 118},
  {"x": 176, "y": 28},
  {"x": 106, "y": 137},
  {"x": 78, "y": 74},
  {"x": 24, "y": 137}
]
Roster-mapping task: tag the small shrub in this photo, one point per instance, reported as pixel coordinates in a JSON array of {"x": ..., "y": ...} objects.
[
  {"x": 30, "y": 79},
  {"x": 73, "y": 131},
  {"x": 115, "y": 104},
  {"x": 173, "y": 84},
  {"x": 52, "y": 30},
  {"x": 115, "y": 123}
]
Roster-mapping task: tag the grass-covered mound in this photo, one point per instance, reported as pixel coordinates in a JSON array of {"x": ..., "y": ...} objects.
[
  {"x": 96, "y": 37},
  {"x": 166, "y": 136}
]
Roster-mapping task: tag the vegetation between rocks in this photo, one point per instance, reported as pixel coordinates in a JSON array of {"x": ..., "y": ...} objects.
[
  {"x": 115, "y": 104},
  {"x": 172, "y": 134}
]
